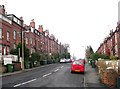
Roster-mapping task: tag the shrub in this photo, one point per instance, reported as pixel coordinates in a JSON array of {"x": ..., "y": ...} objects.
[
  {"x": 35, "y": 57},
  {"x": 113, "y": 58}
]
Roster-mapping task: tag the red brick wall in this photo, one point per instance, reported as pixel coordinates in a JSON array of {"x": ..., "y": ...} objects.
[{"x": 10, "y": 28}]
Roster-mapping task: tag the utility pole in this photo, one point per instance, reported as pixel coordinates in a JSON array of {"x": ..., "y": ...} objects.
[{"x": 23, "y": 36}]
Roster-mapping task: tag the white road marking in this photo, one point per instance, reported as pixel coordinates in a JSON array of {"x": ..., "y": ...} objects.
[
  {"x": 85, "y": 85},
  {"x": 62, "y": 66},
  {"x": 35, "y": 79},
  {"x": 46, "y": 74},
  {"x": 56, "y": 70},
  {"x": 29, "y": 81},
  {"x": 17, "y": 85},
  {"x": 24, "y": 83},
  {"x": 84, "y": 82}
]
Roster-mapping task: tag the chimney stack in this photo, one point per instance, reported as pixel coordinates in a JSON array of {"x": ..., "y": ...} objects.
[
  {"x": 52, "y": 36},
  {"x": 111, "y": 32},
  {"x": 2, "y": 9},
  {"x": 47, "y": 32},
  {"x": 40, "y": 28},
  {"x": 32, "y": 23},
  {"x": 21, "y": 18}
]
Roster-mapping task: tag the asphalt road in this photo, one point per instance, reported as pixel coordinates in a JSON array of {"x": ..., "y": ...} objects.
[{"x": 54, "y": 75}]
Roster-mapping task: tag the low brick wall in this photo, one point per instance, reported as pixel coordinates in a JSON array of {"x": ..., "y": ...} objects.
[
  {"x": 109, "y": 71},
  {"x": 110, "y": 77},
  {"x": 17, "y": 66},
  {"x": 3, "y": 69},
  {"x": 119, "y": 68}
]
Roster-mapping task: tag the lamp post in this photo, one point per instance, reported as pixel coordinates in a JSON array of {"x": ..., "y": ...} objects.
[
  {"x": 85, "y": 50},
  {"x": 23, "y": 35}
]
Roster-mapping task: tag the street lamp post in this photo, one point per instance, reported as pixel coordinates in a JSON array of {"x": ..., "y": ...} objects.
[
  {"x": 85, "y": 51},
  {"x": 23, "y": 35}
]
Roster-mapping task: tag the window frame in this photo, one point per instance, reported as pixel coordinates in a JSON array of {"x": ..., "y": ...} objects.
[
  {"x": 8, "y": 36},
  {"x": 14, "y": 34},
  {"x": 0, "y": 33},
  {"x": 26, "y": 40},
  {"x": 0, "y": 49},
  {"x": 14, "y": 45},
  {"x": 31, "y": 40}
]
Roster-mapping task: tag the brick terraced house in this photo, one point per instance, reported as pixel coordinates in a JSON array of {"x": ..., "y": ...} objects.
[
  {"x": 37, "y": 40},
  {"x": 111, "y": 44}
]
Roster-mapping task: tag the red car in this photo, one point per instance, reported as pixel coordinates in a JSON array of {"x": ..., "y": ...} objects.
[{"x": 77, "y": 66}]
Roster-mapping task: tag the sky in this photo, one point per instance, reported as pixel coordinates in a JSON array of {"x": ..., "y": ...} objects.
[{"x": 77, "y": 22}]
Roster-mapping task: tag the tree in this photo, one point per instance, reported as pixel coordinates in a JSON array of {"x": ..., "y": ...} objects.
[
  {"x": 55, "y": 55},
  {"x": 13, "y": 51},
  {"x": 63, "y": 55},
  {"x": 104, "y": 56},
  {"x": 95, "y": 56},
  {"x": 35, "y": 57},
  {"x": 16, "y": 51},
  {"x": 27, "y": 53},
  {"x": 66, "y": 46},
  {"x": 114, "y": 58},
  {"x": 43, "y": 56},
  {"x": 67, "y": 55},
  {"x": 89, "y": 52}
]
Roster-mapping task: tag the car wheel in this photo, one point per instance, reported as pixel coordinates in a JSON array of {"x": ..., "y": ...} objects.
[{"x": 71, "y": 71}]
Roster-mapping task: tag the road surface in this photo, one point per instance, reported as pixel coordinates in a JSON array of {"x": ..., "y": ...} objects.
[{"x": 53, "y": 75}]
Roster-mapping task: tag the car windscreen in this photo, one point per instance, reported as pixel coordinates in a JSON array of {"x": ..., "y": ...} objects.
[{"x": 77, "y": 62}]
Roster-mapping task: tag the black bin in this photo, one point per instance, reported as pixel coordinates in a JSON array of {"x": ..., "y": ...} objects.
[{"x": 118, "y": 82}]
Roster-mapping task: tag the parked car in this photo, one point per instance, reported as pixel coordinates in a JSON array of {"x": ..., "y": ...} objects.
[
  {"x": 71, "y": 60},
  {"x": 67, "y": 60},
  {"x": 63, "y": 60},
  {"x": 77, "y": 66}
]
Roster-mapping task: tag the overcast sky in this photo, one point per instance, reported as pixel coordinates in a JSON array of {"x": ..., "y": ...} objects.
[{"x": 76, "y": 22}]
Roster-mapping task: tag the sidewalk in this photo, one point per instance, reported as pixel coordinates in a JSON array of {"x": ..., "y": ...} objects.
[{"x": 92, "y": 77}]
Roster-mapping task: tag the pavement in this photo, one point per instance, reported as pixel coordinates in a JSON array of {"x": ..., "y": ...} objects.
[{"x": 92, "y": 77}]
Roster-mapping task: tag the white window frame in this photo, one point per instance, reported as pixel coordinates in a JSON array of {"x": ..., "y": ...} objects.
[
  {"x": 15, "y": 19},
  {"x": 31, "y": 41},
  {"x": 0, "y": 49},
  {"x": 8, "y": 49},
  {"x": 14, "y": 35},
  {"x": 26, "y": 40},
  {"x": 14, "y": 46},
  {"x": 8, "y": 36},
  {"x": 0, "y": 33}
]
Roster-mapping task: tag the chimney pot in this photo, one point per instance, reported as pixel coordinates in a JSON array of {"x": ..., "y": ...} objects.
[
  {"x": 21, "y": 18},
  {"x": 2, "y": 9},
  {"x": 40, "y": 28},
  {"x": 32, "y": 23}
]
